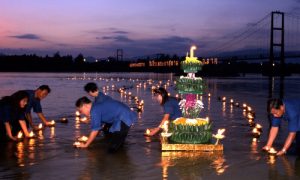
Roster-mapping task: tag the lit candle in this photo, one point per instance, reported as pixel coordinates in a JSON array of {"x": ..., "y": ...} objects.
[
  {"x": 256, "y": 133},
  {"x": 272, "y": 152},
  {"x": 258, "y": 127},
  {"x": 83, "y": 139},
  {"x": 76, "y": 143},
  {"x": 231, "y": 101},
  {"x": 192, "y": 51},
  {"x": 224, "y": 99},
  {"x": 40, "y": 127},
  {"x": 31, "y": 134},
  {"x": 52, "y": 123},
  {"x": 20, "y": 135},
  {"x": 147, "y": 132},
  {"x": 77, "y": 113},
  {"x": 64, "y": 120}
]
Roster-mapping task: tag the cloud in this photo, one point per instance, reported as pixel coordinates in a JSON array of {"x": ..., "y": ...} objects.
[
  {"x": 121, "y": 32},
  {"x": 27, "y": 36},
  {"x": 119, "y": 38}
]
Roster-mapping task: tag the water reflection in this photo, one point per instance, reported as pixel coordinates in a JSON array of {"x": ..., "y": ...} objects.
[{"x": 187, "y": 164}]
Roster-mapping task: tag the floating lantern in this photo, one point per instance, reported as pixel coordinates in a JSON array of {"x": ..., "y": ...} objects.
[
  {"x": 20, "y": 136},
  {"x": 258, "y": 127},
  {"x": 76, "y": 143},
  {"x": 64, "y": 120},
  {"x": 208, "y": 94},
  {"x": 255, "y": 133},
  {"x": 249, "y": 109},
  {"x": 272, "y": 152},
  {"x": 223, "y": 99},
  {"x": 244, "y": 106},
  {"x": 52, "y": 123},
  {"x": 254, "y": 140},
  {"x": 219, "y": 135},
  {"x": 83, "y": 139},
  {"x": 147, "y": 132},
  {"x": 237, "y": 104},
  {"x": 40, "y": 127},
  {"x": 31, "y": 135},
  {"x": 84, "y": 119},
  {"x": 231, "y": 101},
  {"x": 77, "y": 113},
  {"x": 250, "y": 116}
]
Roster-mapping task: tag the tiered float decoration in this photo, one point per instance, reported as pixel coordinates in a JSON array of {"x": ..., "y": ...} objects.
[{"x": 190, "y": 132}]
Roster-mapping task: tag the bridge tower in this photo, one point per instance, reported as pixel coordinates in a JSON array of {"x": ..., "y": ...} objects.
[
  {"x": 119, "y": 54},
  {"x": 277, "y": 42}
]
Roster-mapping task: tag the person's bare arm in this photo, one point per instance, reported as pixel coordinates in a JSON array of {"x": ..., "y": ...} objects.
[
  {"x": 287, "y": 143},
  {"x": 8, "y": 131},
  {"x": 92, "y": 136}
]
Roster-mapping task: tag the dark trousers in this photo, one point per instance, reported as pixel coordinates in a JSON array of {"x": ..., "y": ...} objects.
[
  {"x": 117, "y": 139},
  {"x": 298, "y": 142}
]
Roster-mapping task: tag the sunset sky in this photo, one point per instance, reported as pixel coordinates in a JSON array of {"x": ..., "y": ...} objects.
[{"x": 139, "y": 27}]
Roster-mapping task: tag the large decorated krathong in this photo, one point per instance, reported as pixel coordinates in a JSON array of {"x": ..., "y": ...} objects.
[{"x": 191, "y": 132}]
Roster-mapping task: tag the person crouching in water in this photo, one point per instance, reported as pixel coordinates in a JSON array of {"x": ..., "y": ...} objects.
[
  {"x": 289, "y": 110},
  {"x": 12, "y": 115},
  {"x": 111, "y": 111},
  {"x": 170, "y": 106}
]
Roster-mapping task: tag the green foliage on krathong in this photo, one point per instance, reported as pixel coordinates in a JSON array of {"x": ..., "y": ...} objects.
[
  {"x": 191, "y": 67},
  {"x": 189, "y": 134},
  {"x": 187, "y": 85}
]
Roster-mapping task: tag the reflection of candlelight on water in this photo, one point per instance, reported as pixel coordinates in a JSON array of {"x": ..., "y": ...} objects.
[{"x": 52, "y": 132}]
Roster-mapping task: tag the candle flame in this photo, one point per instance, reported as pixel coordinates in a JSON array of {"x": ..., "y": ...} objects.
[
  {"x": 83, "y": 138},
  {"x": 272, "y": 151},
  {"x": 52, "y": 122},
  {"x": 20, "y": 135},
  {"x": 147, "y": 131},
  {"x": 77, "y": 113},
  {"x": 31, "y": 134},
  {"x": 40, "y": 126}
]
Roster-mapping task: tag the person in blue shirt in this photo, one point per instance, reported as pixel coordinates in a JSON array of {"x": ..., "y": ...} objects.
[
  {"x": 34, "y": 102},
  {"x": 12, "y": 115},
  {"x": 170, "y": 106},
  {"x": 99, "y": 97},
  {"x": 288, "y": 110},
  {"x": 93, "y": 90},
  {"x": 111, "y": 111}
]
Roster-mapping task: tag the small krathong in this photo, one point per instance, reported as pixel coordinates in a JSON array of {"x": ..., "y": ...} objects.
[
  {"x": 52, "y": 123},
  {"x": 219, "y": 135},
  {"x": 83, "y": 139},
  {"x": 20, "y": 136},
  {"x": 147, "y": 133},
  {"x": 31, "y": 135}
]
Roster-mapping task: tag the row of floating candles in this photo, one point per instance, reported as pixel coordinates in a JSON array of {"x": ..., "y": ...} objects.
[{"x": 250, "y": 115}]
